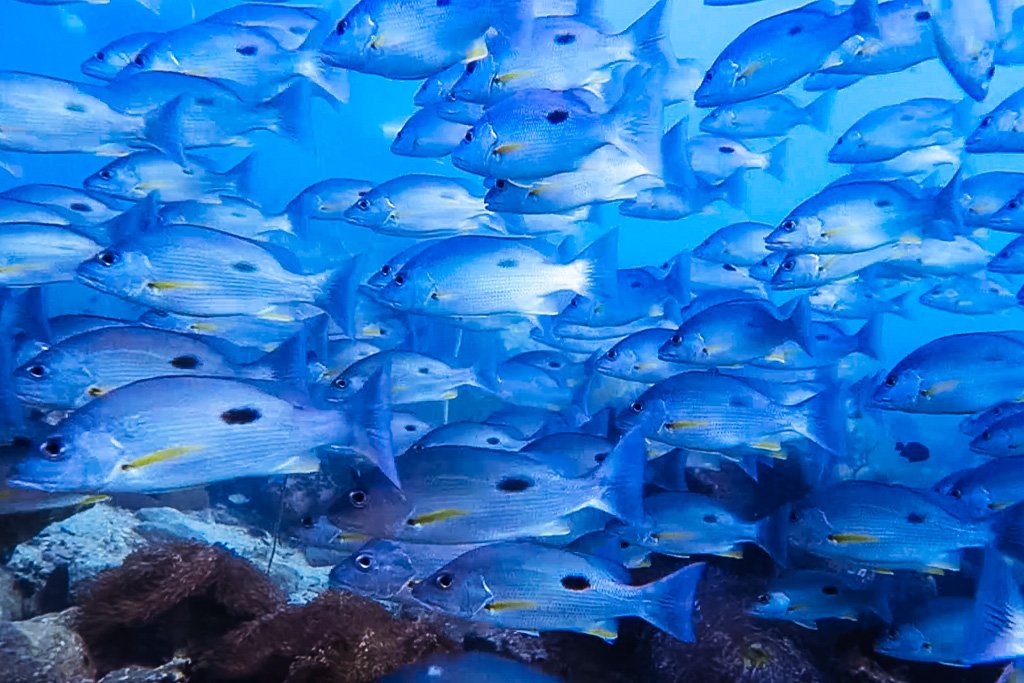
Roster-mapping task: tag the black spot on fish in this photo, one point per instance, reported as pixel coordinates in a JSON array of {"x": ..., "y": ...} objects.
[
  {"x": 508, "y": 263},
  {"x": 729, "y": 268},
  {"x": 185, "y": 362},
  {"x": 565, "y": 38},
  {"x": 240, "y": 416},
  {"x": 443, "y": 3},
  {"x": 423, "y": 371},
  {"x": 830, "y": 590},
  {"x": 916, "y": 518},
  {"x": 514, "y": 484},
  {"x": 80, "y": 207},
  {"x": 557, "y": 116},
  {"x": 75, "y": 107},
  {"x": 247, "y": 50},
  {"x": 710, "y": 519},
  {"x": 726, "y": 149},
  {"x": 923, "y": 16},
  {"x": 244, "y": 267},
  {"x": 913, "y": 451},
  {"x": 907, "y": 117},
  {"x": 205, "y": 101},
  {"x": 575, "y": 583},
  {"x": 882, "y": 203},
  {"x": 493, "y": 440},
  {"x": 796, "y": 30},
  {"x": 410, "y": 428}
]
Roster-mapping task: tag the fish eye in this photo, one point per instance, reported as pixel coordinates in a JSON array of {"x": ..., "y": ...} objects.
[
  {"x": 990, "y": 72},
  {"x": 986, "y": 435},
  {"x": 364, "y": 561},
  {"x": 52, "y": 448},
  {"x": 340, "y": 383},
  {"x": 764, "y": 598},
  {"x": 363, "y": 205},
  {"x": 469, "y": 135},
  {"x": 106, "y": 174},
  {"x": 500, "y": 183},
  {"x": 788, "y": 264},
  {"x": 140, "y": 59},
  {"x": 108, "y": 258},
  {"x": 986, "y": 122},
  {"x": 677, "y": 339},
  {"x": 444, "y": 581},
  {"x": 637, "y": 406},
  {"x": 1013, "y": 203},
  {"x": 385, "y": 269},
  {"x": 357, "y": 498},
  {"x": 341, "y": 27},
  {"x": 612, "y": 354},
  {"x": 892, "y": 633},
  {"x": 37, "y": 371},
  {"x": 306, "y": 522},
  {"x": 956, "y": 493},
  {"x": 100, "y": 56},
  {"x": 794, "y": 516},
  {"x": 471, "y": 66},
  {"x": 890, "y": 381},
  {"x": 399, "y": 279},
  {"x": 789, "y": 225},
  {"x": 726, "y": 149},
  {"x": 707, "y": 76}
]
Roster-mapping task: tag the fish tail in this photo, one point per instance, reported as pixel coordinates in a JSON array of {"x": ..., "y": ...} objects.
[
  {"x": 824, "y": 421},
  {"x": 329, "y": 80},
  {"x": 947, "y": 220},
  {"x": 621, "y": 479},
  {"x": 1008, "y": 531},
  {"x": 291, "y": 114},
  {"x": 163, "y": 129},
  {"x": 772, "y": 538},
  {"x": 369, "y": 413},
  {"x": 898, "y": 306},
  {"x": 869, "y": 338},
  {"x": 338, "y": 293},
  {"x": 598, "y": 267},
  {"x": 287, "y": 363},
  {"x": 678, "y": 281},
  {"x": 802, "y": 322},
  {"x": 242, "y": 177},
  {"x": 820, "y": 110},
  {"x": 669, "y": 602},
  {"x": 650, "y": 34},
  {"x": 733, "y": 192},
  {"x": 777, "y": 160},
  {"x": 637, "y": 118},
  {"x": 998, "y": 620}
]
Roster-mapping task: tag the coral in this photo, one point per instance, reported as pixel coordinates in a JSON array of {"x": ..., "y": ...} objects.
[
  {"x": 168, "y": 597},
  {"x": 337, "y": 638}
]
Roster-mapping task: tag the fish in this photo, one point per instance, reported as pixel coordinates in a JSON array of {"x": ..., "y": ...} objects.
[
  {"x": 204, "y": 272},
  {"x": 889, "y": 131},
  {"x": 975, "y": 424},
  {"x": 903, "y": 38},
  {"x": 457, "y": 277},
  {"x": 475, "y": 434},
  {"x": 636, "y": 357},
  {"x": 39, "y": 254},
  {"x": 856, "y": 298},
  {"x": 539, "y": 133},
  {"x": 684, "y": 524},
  {"x": 387, "y": 570},
  {"x": 708, "y": 411},
  {"x": 991, "y": 486},
  {"x": 966, "y": 40},
  {"x": 572, "y": 453},
  {"x": 935, "y": 634},
  {"x": 805, "y": 597},
  {"x": 955, "y": 374},
  {"x": 76, "y": 205},
  {"x": 529, "y": 587},
  {"x": 290, "y": 27},
  {"x": 428, "y": 135},
  {"x": 999, "y": 130},
  {"x": 739, "y": 244},
  {"x": 883, "y": 526},
  {"x": 983, "y": 195},
  {"x": 413, "y": 41},
  {"x": 768, "y": 116},
  {"x": 424, "y": 206},
  {"x": 459, "y": 494},
  {"x": 414, "y": 377},
  {"x": 196, "y": 431},
  {"x": 970, "y": 295},
  {"x": 738, "y": 331},
  {"x": 715, "y": 159},
  {"x": 1000, "y": 439},
  {"x": 136, "y": 176},
  {"x": 74, "y": 371},
  {"x": 779, "y": 50},
  {"x": 108, "y": 61}
]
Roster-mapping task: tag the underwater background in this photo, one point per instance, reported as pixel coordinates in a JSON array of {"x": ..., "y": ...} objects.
[{"x": 231, "y": 579}]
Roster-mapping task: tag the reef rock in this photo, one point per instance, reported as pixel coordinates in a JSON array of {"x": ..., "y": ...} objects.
[{"x": 44, "y": 650}]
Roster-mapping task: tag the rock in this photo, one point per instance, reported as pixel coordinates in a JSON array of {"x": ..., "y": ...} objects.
[
  {"x": 102, "y": 536},
  {"x": 44, "y": 650},
  {"x": 175, "y": 671}
]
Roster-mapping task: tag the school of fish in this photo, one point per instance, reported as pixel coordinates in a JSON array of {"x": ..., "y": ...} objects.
[{"x": 509, "y": 421}]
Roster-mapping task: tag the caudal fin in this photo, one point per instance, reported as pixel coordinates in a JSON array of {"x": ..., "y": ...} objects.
[
  {"x": 163, "y": 129},
  {"x": 290, "y": 110},
  {"x": 370, "y": 414},
  {"x": 772, "y": 538},
  {"x": 650, "y": 35},
  {"x": 824, "y": 421},
  {"x": 637, "y": 120},
  {"x": 330, "y": 80},
  {"x": 621, "y": 479},
  {"x": 338, "y": 295},
  {"x": 599, "y": 265},
  {"x": 669, "y": 602},
  {"x": 777, "y": 160},
  {"x": 820, "y": 110},
  {"x": 802, "y": 323},
  {"x": 869, "y": 338},
  {"x": 286, "y": 363},
  {"x": 997, "y": 625}
]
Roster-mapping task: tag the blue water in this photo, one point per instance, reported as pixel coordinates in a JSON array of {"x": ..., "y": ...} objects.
[{"x": 353, "y": 140}]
